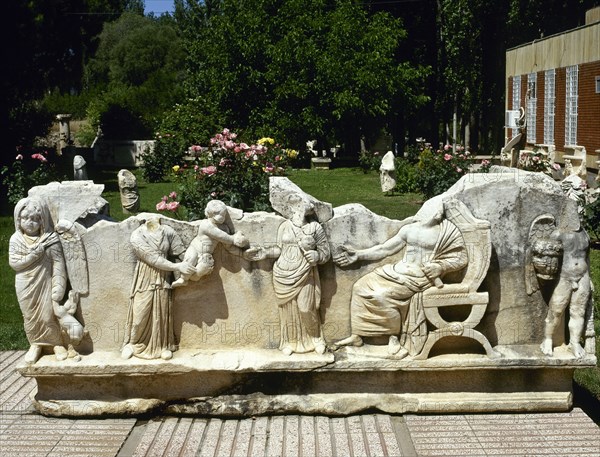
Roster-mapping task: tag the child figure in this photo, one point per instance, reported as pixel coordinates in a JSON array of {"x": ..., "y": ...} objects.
[{"x": 211, "y": 231}]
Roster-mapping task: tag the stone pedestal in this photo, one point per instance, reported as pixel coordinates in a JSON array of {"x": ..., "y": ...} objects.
[
  {"x": 321, "y": 163},
  {"x": 243, "y": 383}
]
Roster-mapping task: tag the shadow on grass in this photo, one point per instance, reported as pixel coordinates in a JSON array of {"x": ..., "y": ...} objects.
[{"x": 583, "y": 398}]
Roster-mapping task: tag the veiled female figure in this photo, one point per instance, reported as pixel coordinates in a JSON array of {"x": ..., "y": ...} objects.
[
  {"x": 301, "y": 246},
  {"x": 36, "y": 255},
  {"x": 149, "y": 329}
]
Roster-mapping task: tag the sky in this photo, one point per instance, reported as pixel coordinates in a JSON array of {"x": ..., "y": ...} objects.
[{"x": 158, "y": 6}]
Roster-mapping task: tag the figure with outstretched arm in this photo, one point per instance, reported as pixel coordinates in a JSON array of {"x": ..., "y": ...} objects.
[
  {"x": 149, "y": 328},
  {"x": 387, "y": 301},
  {"x": 301, "y": 246},
  {"x": 212, "y": 231}
]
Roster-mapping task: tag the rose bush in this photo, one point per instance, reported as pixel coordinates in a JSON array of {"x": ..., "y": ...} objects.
[
  {"x": 27, "y": 171},
  {"x": 235, "y": 172},
  {"x": 438, "y": 170}
]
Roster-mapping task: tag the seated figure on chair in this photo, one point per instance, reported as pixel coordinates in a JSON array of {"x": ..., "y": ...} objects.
[{"x": 389, "y": 301}]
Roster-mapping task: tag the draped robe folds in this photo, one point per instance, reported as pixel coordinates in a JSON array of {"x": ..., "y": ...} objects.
[
  {"x": 388, "y": 301},
  {"x": 40, "y": 279},
  {"x": 149, "y": 327},
  {"x": 297, "y": 286}
]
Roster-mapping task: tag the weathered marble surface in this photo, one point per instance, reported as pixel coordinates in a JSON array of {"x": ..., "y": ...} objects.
[{"x": 227, "y": 324}]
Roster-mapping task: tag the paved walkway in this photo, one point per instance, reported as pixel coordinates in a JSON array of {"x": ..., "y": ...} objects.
[{"x": 23, "y": 432}]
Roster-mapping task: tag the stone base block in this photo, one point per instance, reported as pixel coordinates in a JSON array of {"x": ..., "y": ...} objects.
[{"x": 247, "y": 383}]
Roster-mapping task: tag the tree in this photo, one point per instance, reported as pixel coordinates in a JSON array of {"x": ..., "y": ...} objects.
[
  {"x": 135, "y": 75},
  {"x": 49, "y": 42},
  {"x": 297, "y": 70}
]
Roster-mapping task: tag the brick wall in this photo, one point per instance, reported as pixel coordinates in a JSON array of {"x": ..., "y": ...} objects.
[{"x": 588, "y": 128}]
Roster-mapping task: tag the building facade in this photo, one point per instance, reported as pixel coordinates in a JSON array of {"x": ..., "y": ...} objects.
[{"x": 557, "y": 80}]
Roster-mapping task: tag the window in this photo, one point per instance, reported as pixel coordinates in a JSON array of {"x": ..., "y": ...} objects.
[
  {"x": 549, "y": 104},
  {"x": 531, "y": 106},
  {"x": 598, "y": 84},
  {"x": 571, "y": 105},
  {"x": 516, "y": 98}
]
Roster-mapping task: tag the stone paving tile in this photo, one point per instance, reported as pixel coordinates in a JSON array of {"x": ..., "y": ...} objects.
[
  {"x": 194, "y": 437},
  {"x": 243, "y": 436},
  {"x": 323, "y": 432}
]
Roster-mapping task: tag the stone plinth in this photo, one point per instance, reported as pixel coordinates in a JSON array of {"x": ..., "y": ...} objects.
[
  {"x": 321, "y": 163},
  {"x": 241, "y": 383}
]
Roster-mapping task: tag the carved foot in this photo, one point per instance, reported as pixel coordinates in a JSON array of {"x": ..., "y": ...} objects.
[
  {"x": 395, "y": 348},
  {"x": 61, "y": 353},
  {"x": 33, "y": 354},
  {"x": 178, "y": 283},
  {"x": 166, "y": 354},
  {"x": 73, "y": 354},
  {"x": 546, "y": 347},
  {"x": 320, "y": 345},
  {"x": 127, "y": 352},
  {"x": 352, "y": 340},
  {"x": 577, "y": 350},
  {"x": 287, "y": 350}
]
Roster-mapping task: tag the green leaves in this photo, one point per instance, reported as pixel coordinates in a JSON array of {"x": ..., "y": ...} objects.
[{"x": 300, "y": 69}]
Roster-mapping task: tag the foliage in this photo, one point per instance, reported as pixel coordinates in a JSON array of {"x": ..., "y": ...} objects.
[
  {"x": 27, "y": 171},
  {"x": 58, "y": 103},
  {"x": 536, "y": 161},
  {"x": 369, "y": 161},
  {"x": 184, "y": 125},
  {"x": 591, "y": 219},
  {"x": 28, "y": 120},
  {"x": 439, "y": 170},
  {"x": 135, "y": 75},
  {"x": 236, "y": 173},
  {"x": 48, "y": 47},
  {"x": 406, "y": 176},
  {"x": 297, "y": 69}
]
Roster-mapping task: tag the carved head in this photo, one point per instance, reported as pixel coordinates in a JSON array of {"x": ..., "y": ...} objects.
[
  {"x": 216, "y": 210},
  {"x": 32, "y": 217},
  {"x": 545, "y": 257}
]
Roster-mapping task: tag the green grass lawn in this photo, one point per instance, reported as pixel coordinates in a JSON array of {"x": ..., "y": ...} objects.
[{"x": 338, "y": 186}]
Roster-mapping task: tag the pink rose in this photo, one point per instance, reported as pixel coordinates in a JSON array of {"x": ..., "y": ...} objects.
[
  {"x": 196, "y": 167},
  {"x": 210, "y": 170},
  {"x": 229, "y": 144},
  {"x": 458, "y": 170},
  {"x": 244, "y": 146},
  {"x": 173, "y": 195},
  {"x": 277, "y": 158},
  {"x": 556, "y": 166},
  {"x": 39, "y": 157},
  {"x": 196, "y": 148},
  {"x": 447, "y": 156},
  {"x": 269, "y": 167},
  {"x": 172, "y": 206},
  {"x": 237, "y": 149},
  {"x": 165, "y": 198},
  {"x": 446, "y": 147},
  {"x": 161, "y": 206}
]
